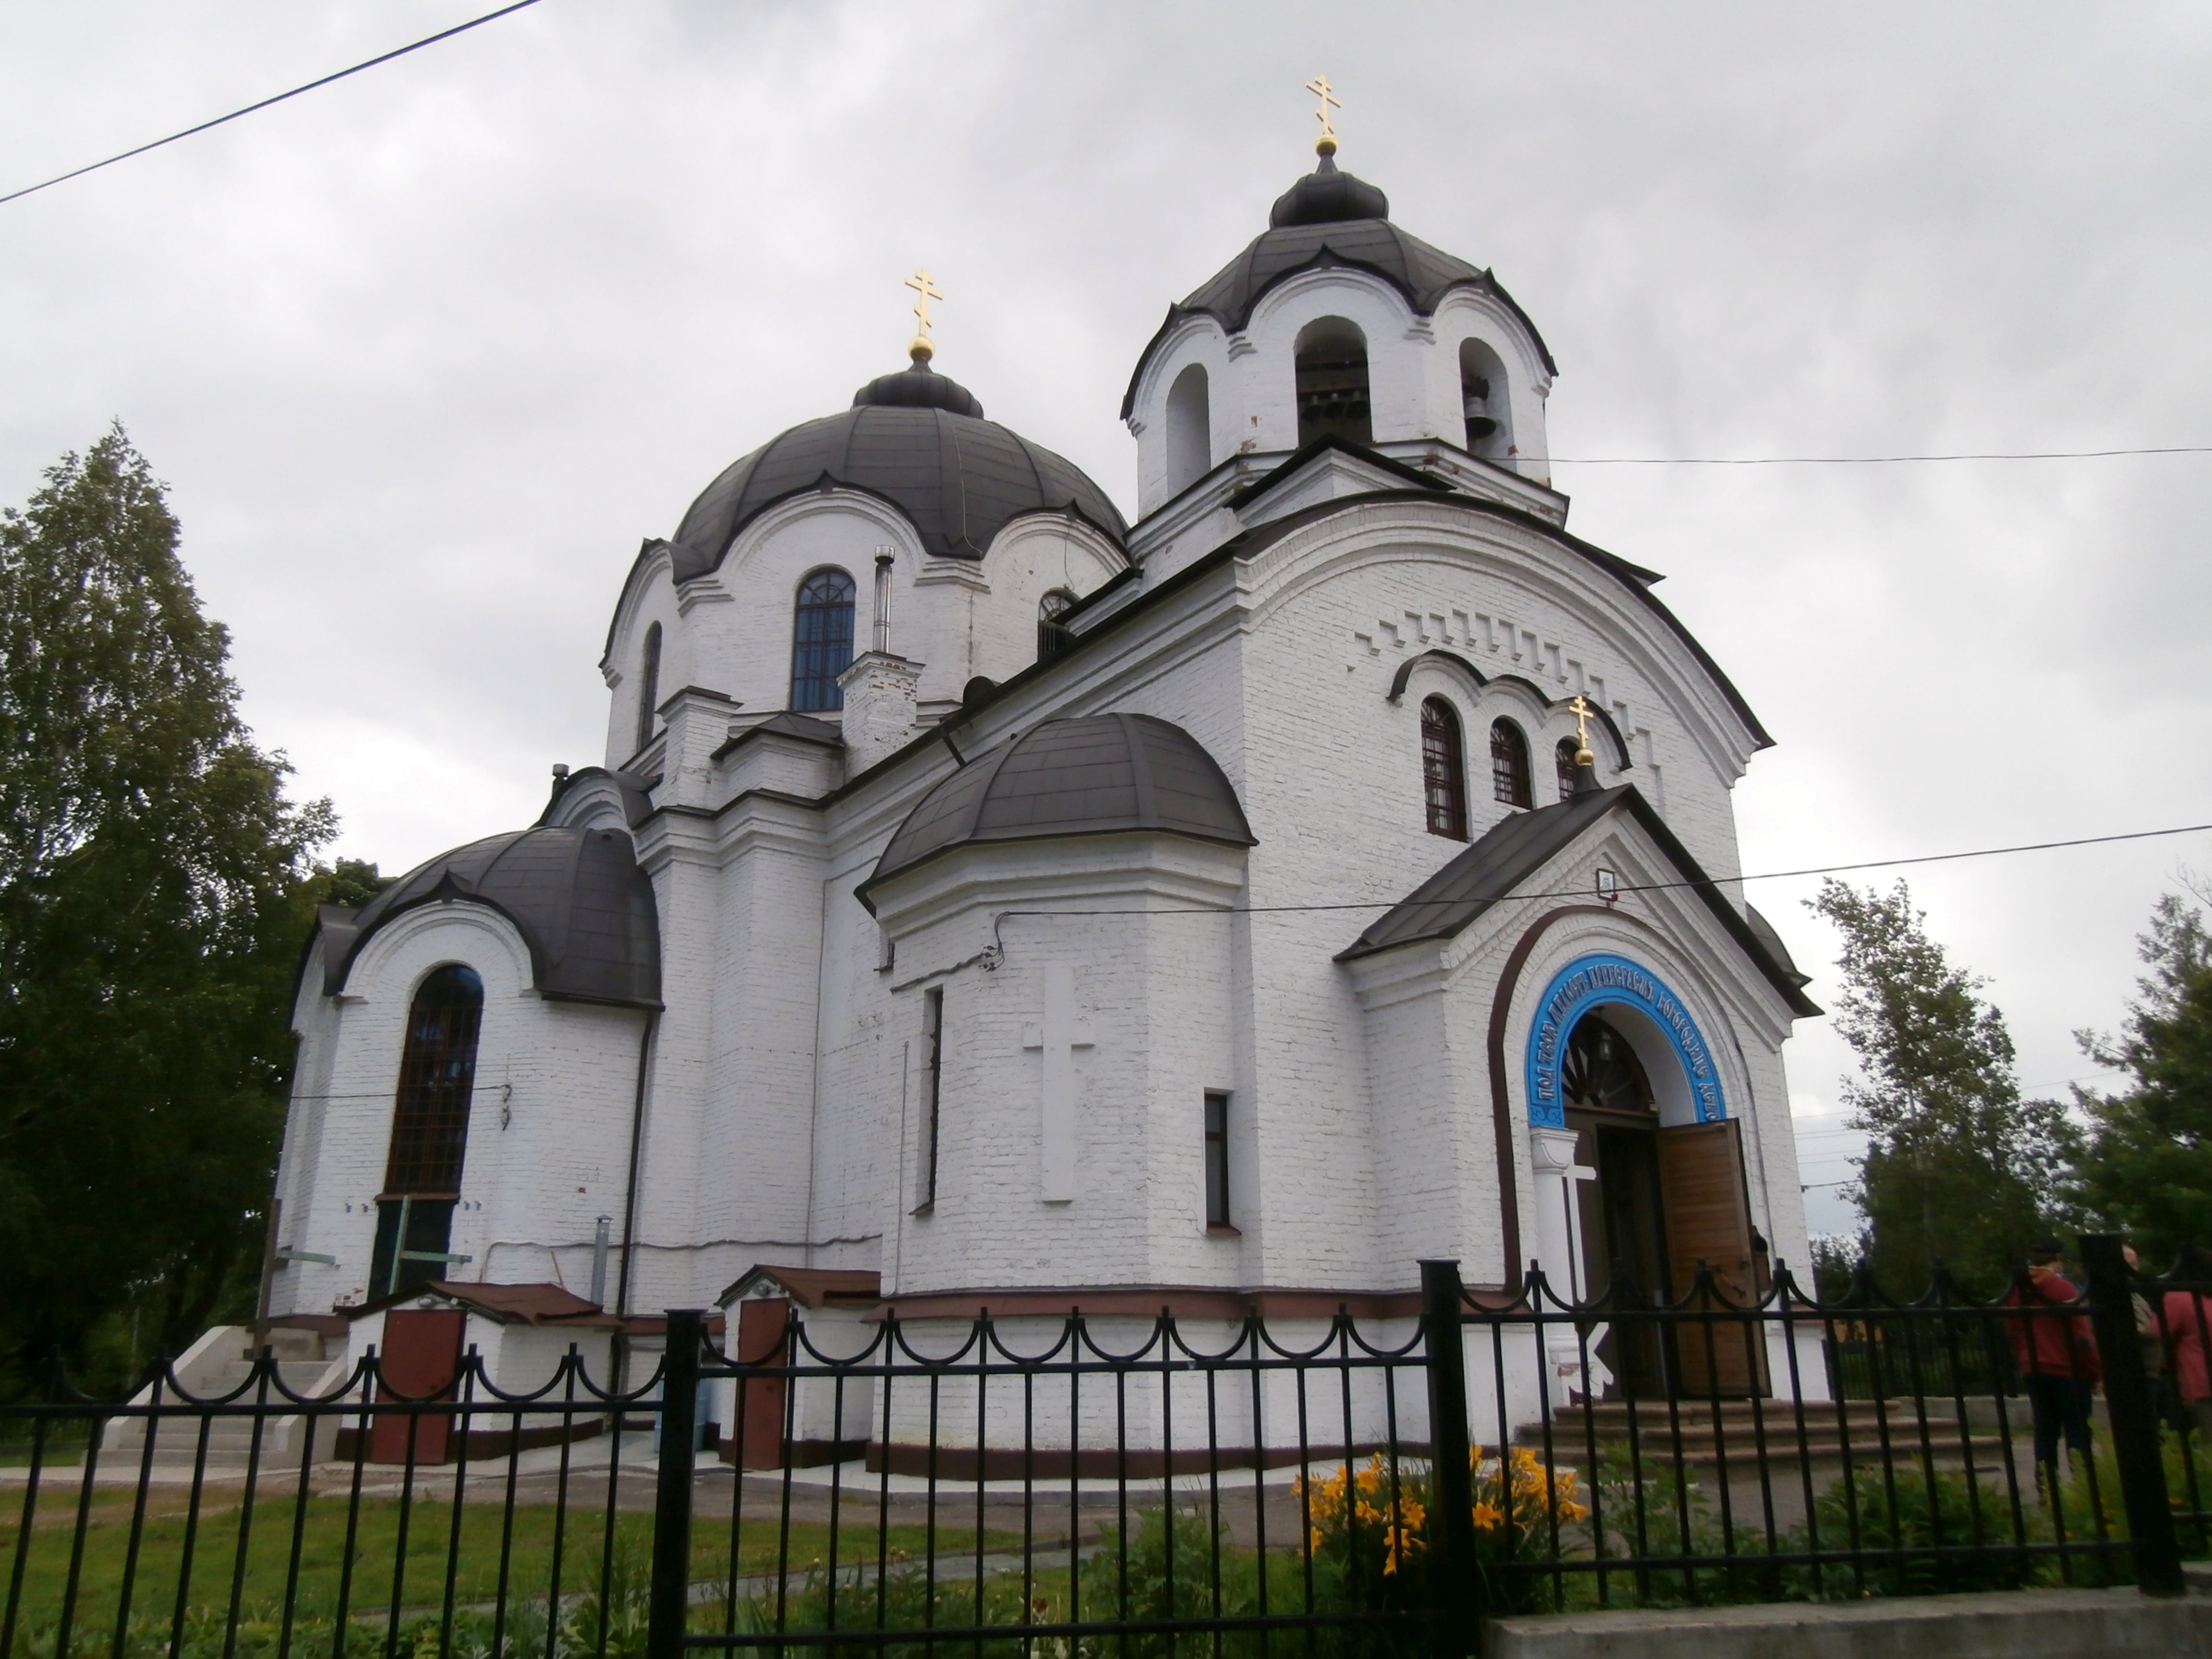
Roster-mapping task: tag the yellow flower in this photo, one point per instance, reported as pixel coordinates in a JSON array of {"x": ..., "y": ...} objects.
[{"x": 1488, "y": 1517}]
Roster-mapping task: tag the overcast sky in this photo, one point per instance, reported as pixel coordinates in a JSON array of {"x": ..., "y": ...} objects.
[{"x": 424, "y": 355}]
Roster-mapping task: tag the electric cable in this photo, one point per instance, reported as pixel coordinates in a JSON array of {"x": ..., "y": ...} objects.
[
  {"x": 1625, "y": 887},
  {"x": 401, "y": 52},
  {"x": 1866, "y": 460}
]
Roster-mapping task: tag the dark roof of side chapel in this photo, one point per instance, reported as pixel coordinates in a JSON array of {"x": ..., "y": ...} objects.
[
  {"x": 1330, "y": 218},
  {"x": 1073, "y": 777},
  {"x": 915, "y": 439},
  {"x": 584, "y": 909},
  {"x": 1519, "y": 846}
]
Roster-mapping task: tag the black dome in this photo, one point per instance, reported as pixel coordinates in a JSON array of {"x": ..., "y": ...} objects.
[
  {"x": 577, "y": 896},
  {"x": 1326, "y": 197},
  {"x": 917, "y": 387},
  {"x": 916, "y": 440},
  {"x": 1073, "y": 777}
]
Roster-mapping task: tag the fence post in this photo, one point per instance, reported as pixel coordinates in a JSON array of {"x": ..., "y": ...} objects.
[
  {"x": 2134, "y": 1412},
  {"x": 1451, "y": 1511},
  {"x": 671, "y": 1593}
]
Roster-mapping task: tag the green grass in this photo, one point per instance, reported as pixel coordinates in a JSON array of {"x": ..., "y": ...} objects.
[{"x": 422, "y": 1572}]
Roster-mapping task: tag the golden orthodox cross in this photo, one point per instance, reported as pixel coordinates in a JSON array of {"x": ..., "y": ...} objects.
[
  {"x": 925, "y": 289},
  {"x": 1582, "y": 711},
  {"x": 1320, "y": 88}
]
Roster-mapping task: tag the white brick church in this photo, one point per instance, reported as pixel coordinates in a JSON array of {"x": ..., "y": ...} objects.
[{"x": 987, "y": 900}]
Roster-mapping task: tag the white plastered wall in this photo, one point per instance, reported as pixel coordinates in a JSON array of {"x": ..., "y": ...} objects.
[{"x": 547, "y": 1127}]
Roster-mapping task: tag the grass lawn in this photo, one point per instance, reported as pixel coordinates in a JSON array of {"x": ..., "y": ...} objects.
[{"x": 382, "y": 1577}]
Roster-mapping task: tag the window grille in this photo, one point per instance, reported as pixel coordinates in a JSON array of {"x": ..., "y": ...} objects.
[
  {"x": 1217, "y": 1159},
  {"x": 1053, "y": 636},
  {"x": 437, "y": 1074},
  {"x": 821, "y": 641},
  {"x": 1508, "y": 765},
  {"x": 1443, "y": 769},
  {"x": 1569, "y": 772}
]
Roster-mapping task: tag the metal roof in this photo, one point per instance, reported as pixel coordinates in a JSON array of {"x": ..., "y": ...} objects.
[
  {"x": 916, "y": 440},
  {"x": 1073, "y": 777},
  {"x": 1329, "y": 218},
  {"x": 1515, "y": 849},
  {"x": 576, "y": 896}
]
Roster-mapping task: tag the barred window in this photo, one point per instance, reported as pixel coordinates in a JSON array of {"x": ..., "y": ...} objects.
[
  {"x": 932, "y": 1081},
  {"x": 1508, "y": 765},
  {"x": 1443, "y": 769},
  {"x": 1217, "y": 1159},
  {"x": 1052, "y": 632},
  {"x": 1568, "y": 771},
  {"x": 821, "y": 641},
  {"x": 437, "y": 1075}
]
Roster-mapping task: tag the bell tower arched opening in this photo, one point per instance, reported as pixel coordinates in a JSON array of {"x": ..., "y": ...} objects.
[
  {"x": 1190, "y": 429},
  {"x": 1332, "y": 382},
  {"x": 1484, "y": 405}
]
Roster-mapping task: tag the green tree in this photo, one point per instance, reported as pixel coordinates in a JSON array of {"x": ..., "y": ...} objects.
[
  {"x": 153, "y": 894},
  {"x": 2147, "y": 1168},
  {"x": 1958, "y": 1168}
]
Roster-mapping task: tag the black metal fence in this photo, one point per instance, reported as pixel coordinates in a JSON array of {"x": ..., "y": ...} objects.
[{"x": 1109, "y": 1485}]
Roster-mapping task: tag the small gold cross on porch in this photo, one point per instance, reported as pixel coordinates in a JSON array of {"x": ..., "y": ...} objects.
[
  {"x": 925, "y": 289},
  {"x": 1582, "y": 711},
  {"x": 1318, "y": 86}
]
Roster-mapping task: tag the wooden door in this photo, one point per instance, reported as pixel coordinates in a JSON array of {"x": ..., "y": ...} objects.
[
  {"x": 420, "y": 1359},
  {"x": 762, "y": 1325},
  {"x": 1708, "y": 1222}
]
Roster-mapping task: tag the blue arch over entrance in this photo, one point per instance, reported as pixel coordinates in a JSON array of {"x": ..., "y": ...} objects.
[{"x": 1592, "y": 982}]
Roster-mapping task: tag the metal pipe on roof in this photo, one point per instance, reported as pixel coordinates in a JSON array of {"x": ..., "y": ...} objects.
[{"x": 883, "y": 561}]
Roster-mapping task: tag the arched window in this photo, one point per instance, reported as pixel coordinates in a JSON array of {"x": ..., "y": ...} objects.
[
  {"x": 1443, "y": 769},
  {"x": 1601, "y": 1070},
  {"x": 1483, "y": 403},
  {"x": 1190, "y": 429},
  {"x": 649, "y": 687},
  {"x": 1508, "y": 765},
  {"x": 429, "y": 1132},
  {"x": 821, "y": 641},
  {"x": 1332, "y": 377},
  {"x": 1052, "y": 633},
  {"x": 1569, "y": 772}
]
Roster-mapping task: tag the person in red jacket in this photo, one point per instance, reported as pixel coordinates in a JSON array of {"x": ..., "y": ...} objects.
[
  {"x": 2186, "y": 1314},
  {"x": 2057, "y": 1357}
]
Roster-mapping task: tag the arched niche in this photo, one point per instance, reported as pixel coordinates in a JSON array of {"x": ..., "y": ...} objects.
[
  {"x": 1685, "y": 1080},
  {"x": 1331, "y": 363},
  {"x": 1190, "y": 428},
  {"x": 1486, "y": 401}
]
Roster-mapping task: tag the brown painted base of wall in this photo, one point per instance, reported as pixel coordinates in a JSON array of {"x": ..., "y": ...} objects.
[
  {"x": 490, "y": 1443},
  {"x": 1138, "y": 1463}
]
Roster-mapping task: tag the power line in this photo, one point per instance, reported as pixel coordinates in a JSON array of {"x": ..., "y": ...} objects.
[
  {"x": 1630, "y": 887},
  {"x": 427, "y": 40},
  {"x": 1865, "y": 461}
]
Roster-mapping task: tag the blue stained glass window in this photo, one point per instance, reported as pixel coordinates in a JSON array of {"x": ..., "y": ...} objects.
[{"x": 821, "y": 641}]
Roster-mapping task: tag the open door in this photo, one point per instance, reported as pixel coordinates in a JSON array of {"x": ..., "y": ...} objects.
[
  {"x": 762, "y": 1325},
  {"x": 1709, "y": 1220},
  {"x": 420, "y": 1358}
]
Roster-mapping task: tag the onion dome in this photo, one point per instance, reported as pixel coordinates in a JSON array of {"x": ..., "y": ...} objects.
[
  {"x": 915, "y": 439},
  {"x": 1327, "y": 197},
  {"x": 1090, "y": 776},
  {"x": 584, "y": 909},
  {"x": 918, "y": 386},
  {"x": 1329, "y": 218}
]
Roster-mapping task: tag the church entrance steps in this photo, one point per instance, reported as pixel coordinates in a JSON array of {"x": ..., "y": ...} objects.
[
  {"x": 216, "y": 1370},
  {"x": 1702, "y": 1433}
]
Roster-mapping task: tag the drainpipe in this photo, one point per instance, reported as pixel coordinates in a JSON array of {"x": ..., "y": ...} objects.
[{"x": 629, "y": 1200}]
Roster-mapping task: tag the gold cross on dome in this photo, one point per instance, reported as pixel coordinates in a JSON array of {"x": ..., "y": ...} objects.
[
  {"x": 925, "y": 289},
  {"x": 1582, "y": 711},
  {"x": 1320, "y": 88}
]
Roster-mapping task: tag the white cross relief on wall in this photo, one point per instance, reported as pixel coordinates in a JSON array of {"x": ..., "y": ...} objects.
[{"x": 1058, "y": 1039}]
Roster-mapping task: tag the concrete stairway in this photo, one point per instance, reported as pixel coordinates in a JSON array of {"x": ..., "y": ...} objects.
[
  {"x": 1699, "y": 1431},
  {"x": 218, "y": 1364}
]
